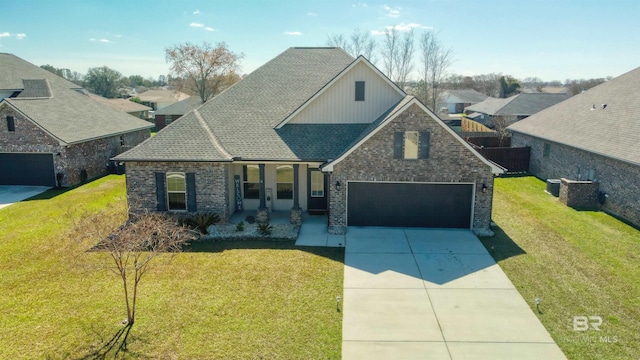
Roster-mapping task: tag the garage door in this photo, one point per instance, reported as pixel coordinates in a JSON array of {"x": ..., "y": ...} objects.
[
  {"x": 27, "y": 169},
  {"x": 409, "y": 205}
]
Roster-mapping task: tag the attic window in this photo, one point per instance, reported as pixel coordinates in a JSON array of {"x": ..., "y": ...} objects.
[
  {"x": 11, "y": 125},
  {"x": 359, "y": 90}
]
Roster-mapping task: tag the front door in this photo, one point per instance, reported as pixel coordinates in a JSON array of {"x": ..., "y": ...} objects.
[{"x": 317, "y": 190}]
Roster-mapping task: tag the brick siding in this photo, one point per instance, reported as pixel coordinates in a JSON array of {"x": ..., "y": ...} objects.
[{"x": 449, "y": 161}]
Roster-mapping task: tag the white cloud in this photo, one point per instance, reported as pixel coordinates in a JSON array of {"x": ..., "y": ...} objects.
[
  {"x": 196, "y": 12},
  {"x": 21, "y": 36},
  {"x": 311, "y": 14},
  {"x": 209, "y": 28},
  {"x": 4, "y": 34},
  {"x": 195, "y": 24},
  {"x": 392, "y": 12},
  {"x": 293, "y": 33},
  {"x": 104, "y": 41},
  {"x": 400, "y": 27}
]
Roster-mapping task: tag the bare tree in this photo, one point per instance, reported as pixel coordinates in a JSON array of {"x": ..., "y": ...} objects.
[
  {"x": 360, "y": 43},
  {"x": 132, "y": 248},
  {"x": 435, "y": 62},
  {"x": 404, "y": 59},
  {"x": 389, "y": 51},
  {"x": 205, "y": 70},
  {"x": 500, "y": 124}
]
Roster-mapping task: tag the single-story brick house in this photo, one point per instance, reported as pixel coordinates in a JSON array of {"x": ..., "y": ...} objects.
[
  {"x": 51, "y": 133},
  {"x": 591, "y": 136},
  {"x": 513, "y": 108},
  {"x": 315, "y": 130}
]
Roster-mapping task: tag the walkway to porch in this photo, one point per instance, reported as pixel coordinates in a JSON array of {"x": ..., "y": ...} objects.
[{"x": 313, "y": 231}]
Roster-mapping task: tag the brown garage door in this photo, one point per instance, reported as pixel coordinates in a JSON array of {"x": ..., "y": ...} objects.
[
  {"x": 27, "y": 169},
  {"x": 409, "y": 204}
]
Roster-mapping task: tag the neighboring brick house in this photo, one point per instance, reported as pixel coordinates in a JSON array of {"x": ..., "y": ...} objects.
[
  {"x": 315, "y": 130},
  {"x": 51, "y": 133},
  {"x": 591, "y": 136},
  {"x": 167, "y": 115}
]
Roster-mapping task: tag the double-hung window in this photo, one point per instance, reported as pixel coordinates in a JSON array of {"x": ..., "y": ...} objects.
[
  {"x": 251, "y": 181},
  {"x": 11, "y": 124},
  {"x": 284, "y": 181},
  {"x": 177, "y": 191},
  {"x": 411, "y": 145}
]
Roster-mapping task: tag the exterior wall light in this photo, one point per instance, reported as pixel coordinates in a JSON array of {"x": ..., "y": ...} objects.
[
  {"x": 338, "y": 185},
  {"x": 484, "y": 188}
]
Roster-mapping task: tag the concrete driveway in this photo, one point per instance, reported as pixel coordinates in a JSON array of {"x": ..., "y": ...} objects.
[
  {"x": 10, "y": 194},
  {"x": 436, "y": 294}
]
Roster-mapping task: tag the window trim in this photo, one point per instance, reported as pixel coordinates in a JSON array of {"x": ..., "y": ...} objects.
[
  {"x": 322, "y": 182},
  {"x": 360, "y": 90},
  {"x": 245, "y": 182},
  {"x": 182, "y": 175},
  {"x": 546, "y": 151},
  {"x": 405, "y": 147},
  {"x": 11, "y": 123},
  {"x": 278, "y": 182}
]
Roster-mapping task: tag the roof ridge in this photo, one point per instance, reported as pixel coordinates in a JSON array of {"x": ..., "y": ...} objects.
[{"x": 210, "y": 134}]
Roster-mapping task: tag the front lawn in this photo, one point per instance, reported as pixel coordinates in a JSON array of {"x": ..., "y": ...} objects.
[
  {"x": 227, "y": 300},
  {"x": 579, "y": 263}
]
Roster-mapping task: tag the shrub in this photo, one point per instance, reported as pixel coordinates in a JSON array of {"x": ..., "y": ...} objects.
[
  {"x": 265, "y": 229},
  {"x": 202, "y": 221},
  {"x": 240, "y": 226}
]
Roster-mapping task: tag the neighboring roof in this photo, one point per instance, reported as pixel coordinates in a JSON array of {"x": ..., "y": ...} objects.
[
  {"x": 54, "y": 105},
  {"x": 124, "y": 105},
  {"x": 612, "y": 130},
  {"x": 521, "y": 104},
  {"x": 14, "y": 68},
  {"x": 468, "y": 96},
  {"x": 162, "y": 96},
  {"x": 181, "y": 107},
  {"x": 386, "y": 118},
  {"x": 245, "y": 115}
]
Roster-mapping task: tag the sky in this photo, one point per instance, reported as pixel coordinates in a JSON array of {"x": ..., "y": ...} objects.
[{"x": 548, "y": 39}]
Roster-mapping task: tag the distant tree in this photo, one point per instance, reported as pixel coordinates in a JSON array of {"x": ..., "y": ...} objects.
[
  {"x": 508, "y": 86},
  {"x": 73, "y": 76},
  {"x": 162, "y": 80},
  {"x": 205, "y": 70},
  {"x": 389, "y": 50},
  {"x": 360, "y": 43},
  {"x": 488, "y": 84},
  {"x": 404, "y": 59},
  {"x": 436, "y": 60},
  {"x": 135, "y": 99},
  {"x": 136, "y": 80},
  {"x": 577, "y": 86},
  {"x": 104, "y": 81}
]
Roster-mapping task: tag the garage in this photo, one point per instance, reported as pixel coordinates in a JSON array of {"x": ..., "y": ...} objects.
[
  {"x": 404, "y": 204},
  {"x": 27, "y": 169}
]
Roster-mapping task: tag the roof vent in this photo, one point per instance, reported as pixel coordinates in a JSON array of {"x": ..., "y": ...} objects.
[
  {"x": 593, "y": 107},
  {"x": 604, "y": 106}
]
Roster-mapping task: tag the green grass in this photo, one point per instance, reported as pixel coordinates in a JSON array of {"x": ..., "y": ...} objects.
[
  {"x": 580, "y": 263},
  {"x": 244, "y": 300}
]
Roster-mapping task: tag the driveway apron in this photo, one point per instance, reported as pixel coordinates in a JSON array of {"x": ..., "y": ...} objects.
[{"x": 433, "y": 294}]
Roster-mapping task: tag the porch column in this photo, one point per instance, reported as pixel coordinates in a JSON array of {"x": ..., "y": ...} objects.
[
  {"x": 263, "y": 203},
  {"x": 296, "y": 187}
]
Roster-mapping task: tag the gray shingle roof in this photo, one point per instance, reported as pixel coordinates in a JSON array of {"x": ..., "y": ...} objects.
[
  {"x": 67, "y": 115},
  {"x": 15, "y": 68},
  {"x": 613, "y": 131},
  {"x": 181, "y": 107},
  {"x": 521, "y": 104},
  {"x": 244, "y": 116},
  {"x": 469, "y": 96}
]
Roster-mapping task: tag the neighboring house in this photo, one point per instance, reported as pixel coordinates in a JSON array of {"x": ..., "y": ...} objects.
[
  {"x": 132, "y": 108},
  {"x": 158, "y": 99},
  {"x": 314, "y": 130},
  {"x": 51, "y": 133},
  {"x": 172, "y": 112},
  {"x": 591, "y": 136},
  {"x": 512, "y": 109},
  {"x": 456, "y": 100}
]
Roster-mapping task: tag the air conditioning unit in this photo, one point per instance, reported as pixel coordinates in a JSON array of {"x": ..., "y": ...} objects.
[{"x": 553, "y": 187}]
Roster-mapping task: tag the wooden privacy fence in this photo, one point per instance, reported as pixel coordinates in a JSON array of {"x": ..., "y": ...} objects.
[{"x": 515, "y": 160}]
